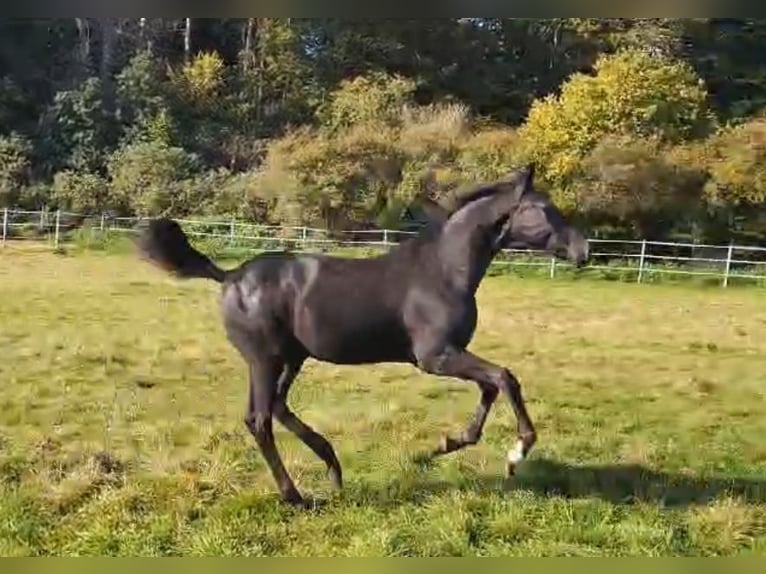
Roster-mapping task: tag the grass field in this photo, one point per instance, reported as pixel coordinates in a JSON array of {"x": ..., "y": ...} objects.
[{"x": 121, "y": 433}]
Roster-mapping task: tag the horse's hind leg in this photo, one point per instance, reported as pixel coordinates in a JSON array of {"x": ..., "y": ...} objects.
[
  {"x": 472, "y": 433},
  {"x": 315, "y": 441},
  {"x": 263, "y": 386},
  {"x": 491, "y": 378}
]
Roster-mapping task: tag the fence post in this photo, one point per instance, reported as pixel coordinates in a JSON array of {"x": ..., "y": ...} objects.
[
  {"x": 553, "y": 267},
  {"x": 385, "y": 237},
  {"x": 729, "y": 253},
  {"x": 103, "y": 222},
  {"x": 231, "y": 233},
  {"x": 304, "y": 234},
  {"x": 56, "y": 233},
  {"x": 42, "y": 218},
  {"x": 641, "y": 261},
  {"x": 5, "y": 225}
]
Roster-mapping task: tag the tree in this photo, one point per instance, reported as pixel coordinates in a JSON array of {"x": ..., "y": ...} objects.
[
  {"x": 74, "y": 130},
  {"x": 375, "y": 97},
  {"x": 737, "y": 164},
  {"x": 631, "y": 93},
  {"x": 15, "y": 151}
]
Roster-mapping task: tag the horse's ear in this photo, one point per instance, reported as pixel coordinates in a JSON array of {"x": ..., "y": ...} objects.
[
  {"x": 523, "y": 177},
  {"x": 529, "y": 177}
]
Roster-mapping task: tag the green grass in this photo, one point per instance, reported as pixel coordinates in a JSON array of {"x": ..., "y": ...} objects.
[{"x": 121, "y": 433}]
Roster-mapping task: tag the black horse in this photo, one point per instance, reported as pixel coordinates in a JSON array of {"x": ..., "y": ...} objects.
[{"x": 414, "y": 304}]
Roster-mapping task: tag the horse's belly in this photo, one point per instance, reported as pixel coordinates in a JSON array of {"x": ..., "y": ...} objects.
[{"x": 353, "y": 344}]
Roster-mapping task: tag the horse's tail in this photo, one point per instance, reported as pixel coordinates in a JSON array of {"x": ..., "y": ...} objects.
[{"x": 165, "y": 244}]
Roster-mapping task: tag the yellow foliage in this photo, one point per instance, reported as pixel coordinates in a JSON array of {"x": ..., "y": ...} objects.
[
  {"x": 331, "y": 179},
  {"x": 375, "y": 97},
  {"x": 737, "y": 164},
  {"x": 631, "y": 93},
  {"x": 433, "y": 133},
  {"x": 202, "y": 78},
  {"x": 490, "y": 153}
]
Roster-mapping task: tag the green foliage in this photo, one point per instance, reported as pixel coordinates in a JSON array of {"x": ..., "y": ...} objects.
[
  {"x": 80, "y": 191},
  {"x": 15, "y": 152},
  {"x": 76, "y": 129},
  {"x": 160, "y": 128},
  {"x": 122, "y": 432},
  {"x": 35, "y": 196},
  {"x": 14, "y": 104},
  {"x": 241, "y": 195},
  {"x": 375, "y": 97},
  {"x": 729, "y": 53},
  {"x": 332, "y": 180},
  {"x": 153, "y": 179},
  {"x": 632, "y": 93},
  {"x": 490, "y": 153},
  {"x": 142, "y": 90},
  {"x": 455, "y": 101},
  {"x": 275, "y": 85}
]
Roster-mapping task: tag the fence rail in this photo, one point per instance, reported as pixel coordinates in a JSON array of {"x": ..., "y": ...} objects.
[{"x": 639, "y": 258}]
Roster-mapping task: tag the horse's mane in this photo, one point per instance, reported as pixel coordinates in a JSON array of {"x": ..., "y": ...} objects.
[
  {"x": 476, "y": 192},
  {"x": 438, "y": 213}
]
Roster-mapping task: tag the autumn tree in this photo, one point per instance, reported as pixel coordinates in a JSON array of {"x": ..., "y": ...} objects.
[{"x": 632, "y": 94}]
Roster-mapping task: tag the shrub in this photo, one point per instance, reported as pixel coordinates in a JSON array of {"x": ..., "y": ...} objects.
[
  {"x": 375, "y": 97},
  {"x": 434, "y": 133},
  {"x": 150, "y": 178},
  {"x": 82, "y": 192},
  {"x": 242, "y": 195},
  {"x": 490, "y": 154},
  {"x": 737, "y": 164},
  {"x": 332, "y": 181},
  {"x": 633, "y": 181}
]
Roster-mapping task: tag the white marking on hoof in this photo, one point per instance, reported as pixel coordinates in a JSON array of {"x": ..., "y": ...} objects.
[{"x": 516, "y": 455}]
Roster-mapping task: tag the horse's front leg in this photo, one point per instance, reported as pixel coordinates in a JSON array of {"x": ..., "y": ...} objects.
[{"x": 491, "y": 378}]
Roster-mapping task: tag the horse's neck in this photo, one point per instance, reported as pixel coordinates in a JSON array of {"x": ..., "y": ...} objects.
[{"x": 464, "y": 262}]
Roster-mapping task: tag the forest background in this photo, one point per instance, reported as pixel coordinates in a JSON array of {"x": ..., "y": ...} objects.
[{"x": 650, "y": 128}]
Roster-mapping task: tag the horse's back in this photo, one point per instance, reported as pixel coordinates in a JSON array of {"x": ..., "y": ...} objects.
[{"x": 339, "y": 310}]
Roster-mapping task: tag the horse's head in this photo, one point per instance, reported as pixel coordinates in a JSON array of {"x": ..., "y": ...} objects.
[{"x": 510, "y": 213}]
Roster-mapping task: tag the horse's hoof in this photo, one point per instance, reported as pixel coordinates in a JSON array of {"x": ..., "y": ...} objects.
[
  {"x": 447, "y": 444},
  {"x": 295, "y": 499},
  {"x": 515, "y": 457}
]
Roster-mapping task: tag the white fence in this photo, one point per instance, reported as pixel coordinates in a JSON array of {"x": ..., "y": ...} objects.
[{"x": 628, "y": 258}]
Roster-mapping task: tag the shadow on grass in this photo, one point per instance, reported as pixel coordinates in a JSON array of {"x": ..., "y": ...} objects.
[{"x": 618, "y": 484}]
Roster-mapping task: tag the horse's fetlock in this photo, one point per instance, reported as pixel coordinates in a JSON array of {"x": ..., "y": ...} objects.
[
  {"x": 472, "y": 436},
  {"x": 529, "y": 439},
  {"x": 258, "y": 423}
]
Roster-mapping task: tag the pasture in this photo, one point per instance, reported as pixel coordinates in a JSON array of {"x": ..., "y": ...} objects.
[{"x": 122, "y": 404}]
